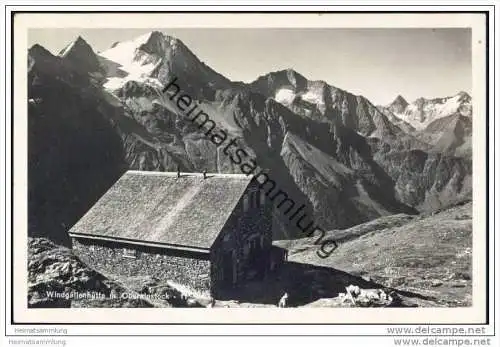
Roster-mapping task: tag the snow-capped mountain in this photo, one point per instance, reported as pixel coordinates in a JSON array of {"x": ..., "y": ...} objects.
[
  {"x": 336, "y": 152},
  {"x": 423, "y": 112},
  {"x": 319, "y": 101},
  {"x": 445, "y": 124},
  {"x": 152, "y": 59},
  {"x": 127, "y": 61}
]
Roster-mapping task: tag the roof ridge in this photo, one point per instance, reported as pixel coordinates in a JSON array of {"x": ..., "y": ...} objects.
[{"x": 188, "y": 174}]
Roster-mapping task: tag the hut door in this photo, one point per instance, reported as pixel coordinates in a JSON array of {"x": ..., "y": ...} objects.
[{"x": 256, "y": 257}]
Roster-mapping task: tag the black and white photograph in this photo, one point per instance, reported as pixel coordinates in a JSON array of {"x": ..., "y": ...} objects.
[
  {"x": 152, "y": 173},
  {"x": 223, "y": 167}
]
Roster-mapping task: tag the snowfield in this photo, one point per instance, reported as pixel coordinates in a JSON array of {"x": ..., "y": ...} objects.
[
  {"x": 422, "y": 112},
  {"x": 284, "y": 96},
  {"x": 124, "y": 54}
]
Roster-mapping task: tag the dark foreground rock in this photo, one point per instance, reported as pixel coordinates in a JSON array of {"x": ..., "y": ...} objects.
[{"x": 57, "y": 278}]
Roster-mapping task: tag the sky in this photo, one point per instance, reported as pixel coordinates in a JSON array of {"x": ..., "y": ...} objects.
[{"x": 376, "y": 63}]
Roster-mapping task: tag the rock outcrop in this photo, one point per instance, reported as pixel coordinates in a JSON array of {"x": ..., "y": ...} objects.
[{"x": 57, "y": 278}]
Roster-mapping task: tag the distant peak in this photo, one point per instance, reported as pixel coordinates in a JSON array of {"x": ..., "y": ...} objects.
[
  {"x": 78, "y": 46},
  {"x": 157, "y": 43},
  {"x": 400, "y": 101},
  {"x": 39, "y": 53},
  {"x": 80, "y": 39},
  {"x": 289, "y": 74},
  {"x": 464, "y": 95},
  {"x": 80, "y": 42},
  {"x": 157, "y": 35},
  {"x": 152, "y": 36},
  {"x": 81, "y": 56},
  {"x": 398, "y": 105},
  {"x": 38, "y": 49}
]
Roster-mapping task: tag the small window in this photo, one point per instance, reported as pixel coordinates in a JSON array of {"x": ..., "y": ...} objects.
[
  {"x": 262, "y": 198},
  {"x": 245, "y": 203},
  {"x": 129, "y": 253},
  {"x": 246, "y": 249},
  {"x": 257, "y": 199}
]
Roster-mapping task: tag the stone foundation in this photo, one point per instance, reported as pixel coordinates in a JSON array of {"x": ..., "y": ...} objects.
[{"x": 190, "y": 269}]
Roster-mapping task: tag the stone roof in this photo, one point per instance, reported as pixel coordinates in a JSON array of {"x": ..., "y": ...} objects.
[{"x": 157, "y": 208}]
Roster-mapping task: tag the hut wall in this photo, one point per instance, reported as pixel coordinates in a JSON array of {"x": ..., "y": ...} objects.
[
  {"x": 191, "y": 269},
  {"x": 251, "y": 219}
]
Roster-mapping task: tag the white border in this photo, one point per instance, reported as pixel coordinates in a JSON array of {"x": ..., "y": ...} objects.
[{"x": 274, "y": 329}]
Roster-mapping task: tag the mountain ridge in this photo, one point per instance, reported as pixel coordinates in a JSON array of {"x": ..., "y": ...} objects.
[
  {"x": 445, "y": 124},
  {"x": 297, "y": 139}
]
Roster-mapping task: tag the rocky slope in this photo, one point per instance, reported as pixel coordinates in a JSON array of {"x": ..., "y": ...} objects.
[
  {"x": 427, "y": 181},
  {"x": 74, "y": 152},
  {"x": 430, "y": 255},
  {"x": 331, "y": 150},
  {"x": 450, "y": 134},
  {"x": 327, "y": 182}
]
